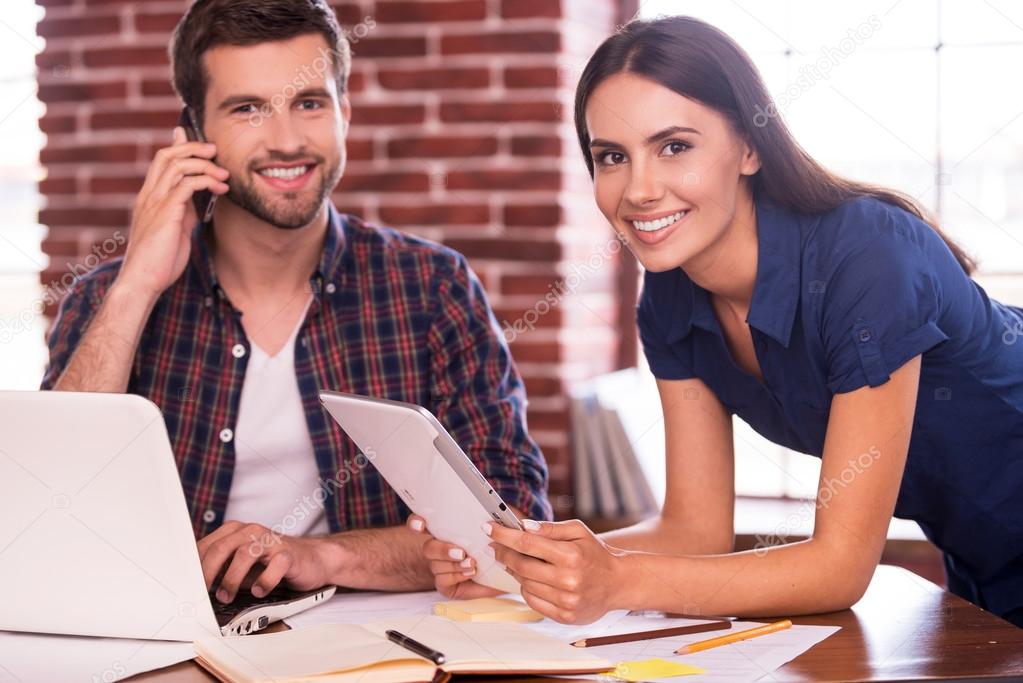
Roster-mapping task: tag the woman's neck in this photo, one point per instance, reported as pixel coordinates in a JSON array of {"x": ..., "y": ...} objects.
[{"x": 728, "y": 269}]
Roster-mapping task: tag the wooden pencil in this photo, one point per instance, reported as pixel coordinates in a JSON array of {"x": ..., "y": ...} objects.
[
  {"x": 734, "y": 637},
  {"x": 651, "y": 635}
]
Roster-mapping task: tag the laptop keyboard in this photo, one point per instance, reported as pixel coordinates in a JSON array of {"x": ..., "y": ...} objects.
[{"x": 225, "y": 612}]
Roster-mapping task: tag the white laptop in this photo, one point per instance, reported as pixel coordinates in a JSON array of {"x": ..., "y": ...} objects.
[{"x": 96, "y": 538}]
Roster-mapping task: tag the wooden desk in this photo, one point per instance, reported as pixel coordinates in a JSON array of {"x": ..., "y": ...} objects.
[{"x": 905, "y": 627}]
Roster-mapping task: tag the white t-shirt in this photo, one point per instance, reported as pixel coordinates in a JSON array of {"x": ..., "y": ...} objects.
[{"x": 275, "y": 474}]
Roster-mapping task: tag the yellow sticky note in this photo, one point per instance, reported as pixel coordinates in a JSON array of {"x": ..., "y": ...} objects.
[
  {"x": 650, "y": 669},
  {"x": 487, "y": 609}
]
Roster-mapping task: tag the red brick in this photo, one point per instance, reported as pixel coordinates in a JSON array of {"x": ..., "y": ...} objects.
[
  {"x": 531, "y": 77},
  {"x": 546, "y": 420},
  {"x": 377, "y": 114},
  {"x": 125, "y": 56},
  {"x": 158, "y": 87},
  {"x": 85, "y": 216},
  {"x": 390, "y": 47},
  {"x": 474, "y": 112},
  {"x": 151, "y": 22},
  {"x": 359, "y": 149},
  {"x": 116, "y": 184},
  {"x": 52, "y": 185},
  {"x": 441, "y": 146},
  {"x": 532, "y": 215},
  {"x": 544, "y": 385},
  {"x": 444, "y": 11},
  {"x": 525, "y": 9},
  {"x": 76, "y": 92},
  {"x": 54, "y": 123},
  {"x": 506, "y": 250},
  {"x": 348, "y": 13},
  {"x": 128, "y": 118},
  {"x": 53, "y": 60},
  {"x": 87, "y": 153},
  {"x": 526, "y": 351},
  {"x": 536, "y": 146},
  {"x": 356, "y": 81},
  {"x": 385, "y": 182},
  {"x": 436, "y": 214},
  {"x": 503, "y": 180},
  {"x": 530, "y": 285},
  {"x": 433, "y": 79},
  {"x": 65, "y": 28},
  {"x": 491, "y": 42}
]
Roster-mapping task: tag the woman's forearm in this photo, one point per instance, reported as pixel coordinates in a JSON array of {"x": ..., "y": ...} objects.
[
  {"x": 799, "y": 578},
  {"x": 665, "y": 536}
]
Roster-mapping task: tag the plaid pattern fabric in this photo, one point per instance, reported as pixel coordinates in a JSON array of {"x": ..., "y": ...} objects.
[{"x": 392, "y": 316}]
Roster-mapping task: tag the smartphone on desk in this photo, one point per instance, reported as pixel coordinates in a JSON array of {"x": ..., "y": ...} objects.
[{"x": 203, "y": 200}]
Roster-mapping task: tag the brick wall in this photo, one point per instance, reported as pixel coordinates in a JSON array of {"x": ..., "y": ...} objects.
[{"x": 461, "y": 133}]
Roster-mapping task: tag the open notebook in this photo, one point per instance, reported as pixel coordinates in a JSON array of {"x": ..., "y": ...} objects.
[{"x": 348, "y": 652}]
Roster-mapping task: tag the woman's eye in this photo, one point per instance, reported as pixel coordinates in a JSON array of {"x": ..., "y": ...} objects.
[
  {"x": 610, "y": 158},
  {"x": 674, "y": 147}
]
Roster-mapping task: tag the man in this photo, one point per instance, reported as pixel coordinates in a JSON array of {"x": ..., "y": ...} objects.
[{"x": 233, "y": 328}]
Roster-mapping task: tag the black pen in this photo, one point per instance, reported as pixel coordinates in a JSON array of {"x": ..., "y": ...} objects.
[{"x": 415, "y": 646}]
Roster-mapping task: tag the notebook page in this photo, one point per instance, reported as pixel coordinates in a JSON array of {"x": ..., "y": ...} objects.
[
  {"x": 303, "y": 652},
  {"x": 490, "y": 646}
]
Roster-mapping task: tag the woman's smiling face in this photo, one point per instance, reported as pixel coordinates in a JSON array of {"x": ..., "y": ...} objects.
[{"x": 668, "y": 171}]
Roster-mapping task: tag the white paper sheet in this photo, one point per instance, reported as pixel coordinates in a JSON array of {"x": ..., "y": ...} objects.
[
  {"x": 41, "y": 658},
  {"x": 744, "y": 662},
  {"x": 362, "y": 608}
]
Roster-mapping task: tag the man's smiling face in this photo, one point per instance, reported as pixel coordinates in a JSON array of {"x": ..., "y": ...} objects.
[{"x": 279, "y": 124}]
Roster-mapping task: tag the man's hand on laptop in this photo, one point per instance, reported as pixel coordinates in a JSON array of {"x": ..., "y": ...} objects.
[{"x": 251, "y": 554}]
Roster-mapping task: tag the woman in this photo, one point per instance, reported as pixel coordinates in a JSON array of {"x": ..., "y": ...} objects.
[{"x": 827, "y": 313}]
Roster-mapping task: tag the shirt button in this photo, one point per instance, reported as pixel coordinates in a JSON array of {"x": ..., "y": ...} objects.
[
  {"x": 331, "y": 288},
  {"x": 238, "y": 350},
  {"x": 864, "y": 336},
  {"x": 305, "y": 342},
  {"x": 226, "y": 435},
  {"x": 207, "y": 302},
  {"x": 209, "y": 516}
]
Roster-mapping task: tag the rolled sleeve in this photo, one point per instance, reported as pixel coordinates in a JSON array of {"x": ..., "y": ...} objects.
[
  {"x": 478, "y": 394},
  {"x": 883, "y": 309},
  {"x": 74, "y": 315}
]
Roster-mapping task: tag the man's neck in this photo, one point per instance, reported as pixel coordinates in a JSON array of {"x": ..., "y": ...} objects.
[{"x": 256, "y": 260}]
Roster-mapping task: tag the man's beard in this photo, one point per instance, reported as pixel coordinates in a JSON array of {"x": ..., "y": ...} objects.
[{"x": 288, "y": 212}]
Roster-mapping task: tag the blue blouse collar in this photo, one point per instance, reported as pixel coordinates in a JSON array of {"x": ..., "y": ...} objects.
[{"x": 775, "y": 290}]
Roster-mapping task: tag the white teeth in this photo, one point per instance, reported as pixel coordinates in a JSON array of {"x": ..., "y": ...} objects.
[
  {"x": 284, "y": 173},
  {"x": 660, "y": 223}
]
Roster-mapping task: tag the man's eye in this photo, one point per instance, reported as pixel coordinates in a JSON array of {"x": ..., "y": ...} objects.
[
  {"x": 242, "y": 109},
  {"x": 310, "y": 105}
]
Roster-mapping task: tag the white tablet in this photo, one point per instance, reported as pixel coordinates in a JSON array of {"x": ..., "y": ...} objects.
[{"x": 431, "y": 474}]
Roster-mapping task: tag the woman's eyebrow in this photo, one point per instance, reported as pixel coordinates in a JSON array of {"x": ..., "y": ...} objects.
[{"x": 659, "y": 135}]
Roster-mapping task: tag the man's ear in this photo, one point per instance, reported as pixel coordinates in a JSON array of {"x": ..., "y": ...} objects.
[{"x": 346, "y": 110}]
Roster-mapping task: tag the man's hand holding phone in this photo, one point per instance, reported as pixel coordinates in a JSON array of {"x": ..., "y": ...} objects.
[{"x": 159, "y": 244}]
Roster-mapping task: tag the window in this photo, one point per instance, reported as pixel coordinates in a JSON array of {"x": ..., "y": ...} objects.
[
  {"x": 22, "y": 351},
  {"x": 914, "y": 94}
]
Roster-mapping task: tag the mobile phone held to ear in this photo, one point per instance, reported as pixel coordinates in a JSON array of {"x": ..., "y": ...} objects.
[{"x": 204, "y": 200}]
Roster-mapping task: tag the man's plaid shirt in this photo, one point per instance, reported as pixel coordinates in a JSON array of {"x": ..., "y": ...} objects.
[{"x": 392, "y": 316}]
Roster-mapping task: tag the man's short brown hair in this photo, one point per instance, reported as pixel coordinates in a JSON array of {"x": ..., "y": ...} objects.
[{"x": 209, "y": 23}]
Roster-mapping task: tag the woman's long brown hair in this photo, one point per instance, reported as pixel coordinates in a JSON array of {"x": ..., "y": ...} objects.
[{"x": 698, "y": 61}]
